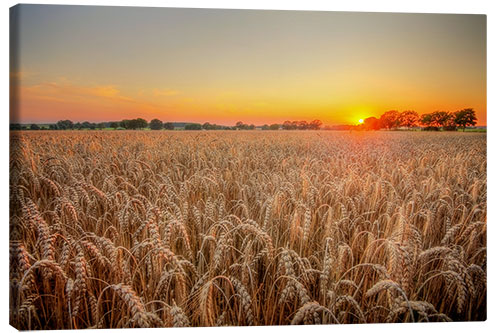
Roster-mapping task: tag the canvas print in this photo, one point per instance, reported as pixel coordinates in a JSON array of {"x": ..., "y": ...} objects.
[{"x": 175, "y": 167}]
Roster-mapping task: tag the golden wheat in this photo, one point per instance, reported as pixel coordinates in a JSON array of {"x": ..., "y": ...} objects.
[{"x": 155, "y": 229}]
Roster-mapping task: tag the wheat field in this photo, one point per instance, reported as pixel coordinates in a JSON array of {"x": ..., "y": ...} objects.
[{"x": 158, "y": 229}]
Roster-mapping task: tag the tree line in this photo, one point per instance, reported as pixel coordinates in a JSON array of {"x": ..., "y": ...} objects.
[
  {"x": 448, "y": 121},
  {"x": 393, "y": 119}
]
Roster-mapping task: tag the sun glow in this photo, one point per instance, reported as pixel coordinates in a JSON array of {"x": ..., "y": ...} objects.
[{"x": 361, "y": 121}]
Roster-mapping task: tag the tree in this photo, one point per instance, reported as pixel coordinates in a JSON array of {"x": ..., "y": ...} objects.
[
  {"x": 141, "y": 123},
  {"x": 15, "y": 127},
  {"x": 315, "y": 124},
  {"x": 265, "y": 127},
  {"x": 408, "y": 119},
  {"x": 287, "y": 125},
  {"x": 465, "y": 117},
  {"x": 389, "y": 119},
  {"x": 426, "y": 120},
  {"x": 302, "y": 125},
  {"x": 192, "y": 127},
  {"x": 125, "y": 123},
  {"x": 274, "y": 127},
  {"x": 371, "y": 124},
  {"x": 168, "y": 126},
  {"x": 441, "y": 118},
  {"x": 240, "y": 125},
  {"x": 156, "y": 124},
  {"x": 65, "y": 124},
  {"x": 34, "y": 127},
  {"x": 114, "y": 124}
]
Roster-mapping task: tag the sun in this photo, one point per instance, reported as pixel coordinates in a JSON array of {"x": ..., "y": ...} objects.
[{"x": 361, "y": 121}]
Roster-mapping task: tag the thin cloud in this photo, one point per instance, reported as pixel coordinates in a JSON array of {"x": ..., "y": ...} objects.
[{"x": 165, "y": 92}]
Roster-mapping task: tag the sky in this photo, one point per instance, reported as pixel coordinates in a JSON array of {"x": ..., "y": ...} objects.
[{"x": 92, "y": 63}]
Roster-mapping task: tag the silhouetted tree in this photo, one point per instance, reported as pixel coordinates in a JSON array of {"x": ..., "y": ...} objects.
[
  {"x": 465, "y": 117},
  {"x": 426, "y": 120},
  {"x": 65, "y": 124},
  {"x": 168, "y": 126},
  {"x": 34, "y": 127},
  {"x": 287, "y": 125},
  {"x": 140, "y": 123},
  {"x": 371, "y": 124},
  {"x": 274, "y": 127},
  {"x": 265, "y": 127},
  {"x": 15, "y": 127},
  {"x": 441, "y": 118},
  {"x": 408, "y": 119},
  {"x": 315, "y": 124},
  {"x": 156, "y": 124},
  {"x": 193, "y": 127},
  {"x": 389, "y": 119},
  {"x": 114, "y": 124},
  {"x": 125, "y": 123},
  {"x": 302, "y": 125}
]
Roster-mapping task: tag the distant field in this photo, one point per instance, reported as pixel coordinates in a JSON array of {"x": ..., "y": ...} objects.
[{"x": 151, "y": 229}]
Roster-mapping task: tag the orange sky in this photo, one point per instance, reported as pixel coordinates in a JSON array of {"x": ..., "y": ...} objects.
[{"x": 222, "y": 66}]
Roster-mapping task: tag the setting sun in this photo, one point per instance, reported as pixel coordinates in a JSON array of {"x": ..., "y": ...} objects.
[{"x": 361, "y": 121}]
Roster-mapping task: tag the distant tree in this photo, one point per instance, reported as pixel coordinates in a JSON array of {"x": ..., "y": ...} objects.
[
  {"x": 114, "y": 124},
  {"x": 134, "y": 124},
  {"x": 192, "y": 127},
  {"x": 371, "y": 124},
  {"x": 85, "y": 124},
  {"x": 389, "y": 119},
  {"x": 125, "y": 123},
  {"x": 426, "y": 120},
  {"x": 315, "y": 124},
  {"x": 251, "y": 127},
  {"x": 52, "y": 127},
  {"x": 34, "y": 127},
  {"x": 92, "y": 126},
  {"x": 168, "y": 126},
  {"x": 441, "y": 118},
  {"x": 287, "y": 125},
  {"x": 15, "y": 127},
  {"x": 274, "y": 127},
  {"x": 240, "y": 125},
  {"x": 65, "y": 124},
  {"x": 465, "y": 117},
  {"x": 156, "y": 124},
  {"x": 265, "y": 127},
  {"x": 302, "y": 125},
  {"x": 408, "y": 119},
  {"x": 141, "y": 123}
]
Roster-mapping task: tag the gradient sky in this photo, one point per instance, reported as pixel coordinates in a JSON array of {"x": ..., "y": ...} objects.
[{"x": 110, "y": 63}]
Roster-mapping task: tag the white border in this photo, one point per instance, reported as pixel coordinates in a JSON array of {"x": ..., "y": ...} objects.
[{"x": 421, "y": 6}]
